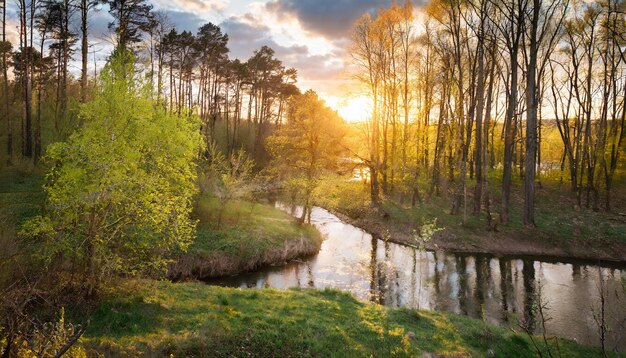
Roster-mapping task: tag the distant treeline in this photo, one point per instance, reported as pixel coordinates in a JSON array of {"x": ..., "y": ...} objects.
[{"x": 188, "y": 73}]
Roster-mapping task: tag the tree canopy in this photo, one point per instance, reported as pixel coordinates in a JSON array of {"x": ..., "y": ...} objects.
[
  {"x": 308, "y": 145},
  {"x": 119, "y": 191}
]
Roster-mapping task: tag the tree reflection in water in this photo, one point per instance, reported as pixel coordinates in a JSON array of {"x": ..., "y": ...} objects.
[{"x": 500, "y": 290}]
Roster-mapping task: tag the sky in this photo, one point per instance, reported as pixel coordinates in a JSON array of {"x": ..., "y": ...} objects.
[{"x": 312, "y": 36}]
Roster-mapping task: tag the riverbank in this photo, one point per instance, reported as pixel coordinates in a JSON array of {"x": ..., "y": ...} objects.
[
  {"x": 243, "y": 237},
  {"x": 149, "y": 318},
  {"x": 563, "y": 230},
  {"x": 249, "y": 236}
]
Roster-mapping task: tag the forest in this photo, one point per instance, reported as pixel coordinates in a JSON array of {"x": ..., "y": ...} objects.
[{"x": 161, "y": 195}]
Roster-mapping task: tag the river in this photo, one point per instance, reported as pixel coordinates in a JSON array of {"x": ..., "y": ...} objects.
[{"x": 501, "y": 290}]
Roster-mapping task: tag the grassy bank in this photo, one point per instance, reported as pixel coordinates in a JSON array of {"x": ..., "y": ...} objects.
[
  {"x": 249, "y": 234},
  {"x": 243, "y": 237},
  {"x": 148, "y": 318},
  {"x": 563, "y": 229}
]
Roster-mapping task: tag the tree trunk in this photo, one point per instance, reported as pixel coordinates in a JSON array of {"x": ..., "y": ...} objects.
[
  {"x": 374, "y": 187},
  {"x": 531, "y": 122},
  {"x": 510, "y": 127},
  {"x": 37, "y": 144},
  {"x": 27, "y": 139},
  {"x": 478, "y": 190},
  {"x": 5, "y": 95},
  {"x": 84, "y": 9}
]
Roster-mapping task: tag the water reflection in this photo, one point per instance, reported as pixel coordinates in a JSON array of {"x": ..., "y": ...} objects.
[{"x": 502, "y": 291}]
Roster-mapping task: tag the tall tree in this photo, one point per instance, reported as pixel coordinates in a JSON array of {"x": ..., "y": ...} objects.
[
  {"x": 131, "y": 18},
  {"x": 364, "y": 53},
  {"x": 613, "y": 121},
  {"x": 159, "y": 28},
  {"x": 531, "y": 119},
  {"x": 509, "y": 20},
  {"x": 545, "y": 25},
  {"x": 25, "y": 58},
  {"x": 481, "y": 32},
  {"x": 267, "y": 78},
  {"x": 40, "y": 77},
  {"x": 5, "y": 48},
  {"x": 85, "y": 7},
  {"x": 58, "y": 14},
  {"x": 212, "y": 52}
]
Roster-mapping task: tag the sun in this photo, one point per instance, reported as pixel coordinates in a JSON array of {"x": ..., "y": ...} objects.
[
  {"x": 351, "y": 109},
  {"x": 355, "y": 109}
]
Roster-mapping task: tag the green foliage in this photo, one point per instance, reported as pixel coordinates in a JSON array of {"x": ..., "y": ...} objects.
[
  {"x": 426, "y": 233},
  {"x": 349, "y": 197},
  {"x": 189, "y": 319},
  {"x": 311, "y": 141},
  {"x": 226, "y": 178},
  {"x": 308, "y": 146},
  {"x": 229, "y": 177},
  {"x": 120, "y": 188}
]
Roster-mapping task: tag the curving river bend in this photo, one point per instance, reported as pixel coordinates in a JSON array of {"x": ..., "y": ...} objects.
[{"x": 502, "y": 290}]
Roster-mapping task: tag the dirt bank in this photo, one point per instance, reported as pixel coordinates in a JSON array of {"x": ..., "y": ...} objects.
[
  {"x": 199, "y": 266},
  {"x": 506, "y": 242},
  {"x": 240, "y": 237}
]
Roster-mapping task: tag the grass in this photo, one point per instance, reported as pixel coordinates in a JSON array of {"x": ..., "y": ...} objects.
[
  {"x": 149, "y": 318},
  {"x": 21, "y": 197},
  {"x": 247, "y": 228},
  {"x": 159, "y": 318},
  {"x": 249, "y": 235}
]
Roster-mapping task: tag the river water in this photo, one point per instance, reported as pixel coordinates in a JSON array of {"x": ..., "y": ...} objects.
[{"x": 501, "y": 290}]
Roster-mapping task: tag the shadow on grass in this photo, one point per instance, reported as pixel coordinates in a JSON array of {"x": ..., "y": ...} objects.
[
  {"x": 190, "y": 319},
  {"x": 119, "y": 318}
]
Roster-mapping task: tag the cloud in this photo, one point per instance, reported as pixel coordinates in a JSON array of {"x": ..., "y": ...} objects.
[
  {"x": 329, "y": 18},
  {"x": 98, "y": 23},
  {"x": 322, "y": 72},
  {"x": 184, "y": 20},
  {"x": 246, "y": 34},
  {"x": 308, "y": 35},
  {"x": 319, "y": 67},
  {"x": 245, "y": 29},
  {"x": 192, "y": 6},
  {"x": 12, "y": 34}
]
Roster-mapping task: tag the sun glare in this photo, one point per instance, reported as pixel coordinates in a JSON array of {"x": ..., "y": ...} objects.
[{"x": 353, "y": 109}]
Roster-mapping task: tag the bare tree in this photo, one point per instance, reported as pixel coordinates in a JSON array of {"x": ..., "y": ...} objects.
[
  {"x": 85, "y": 7},
  {"x": 545, "y": 25},
  {"x": 6, "y": 49},
  {"x": 364, "y": 53},
  {"x": 509, "y": 22},
  {"x": 26, "y": 49}
]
